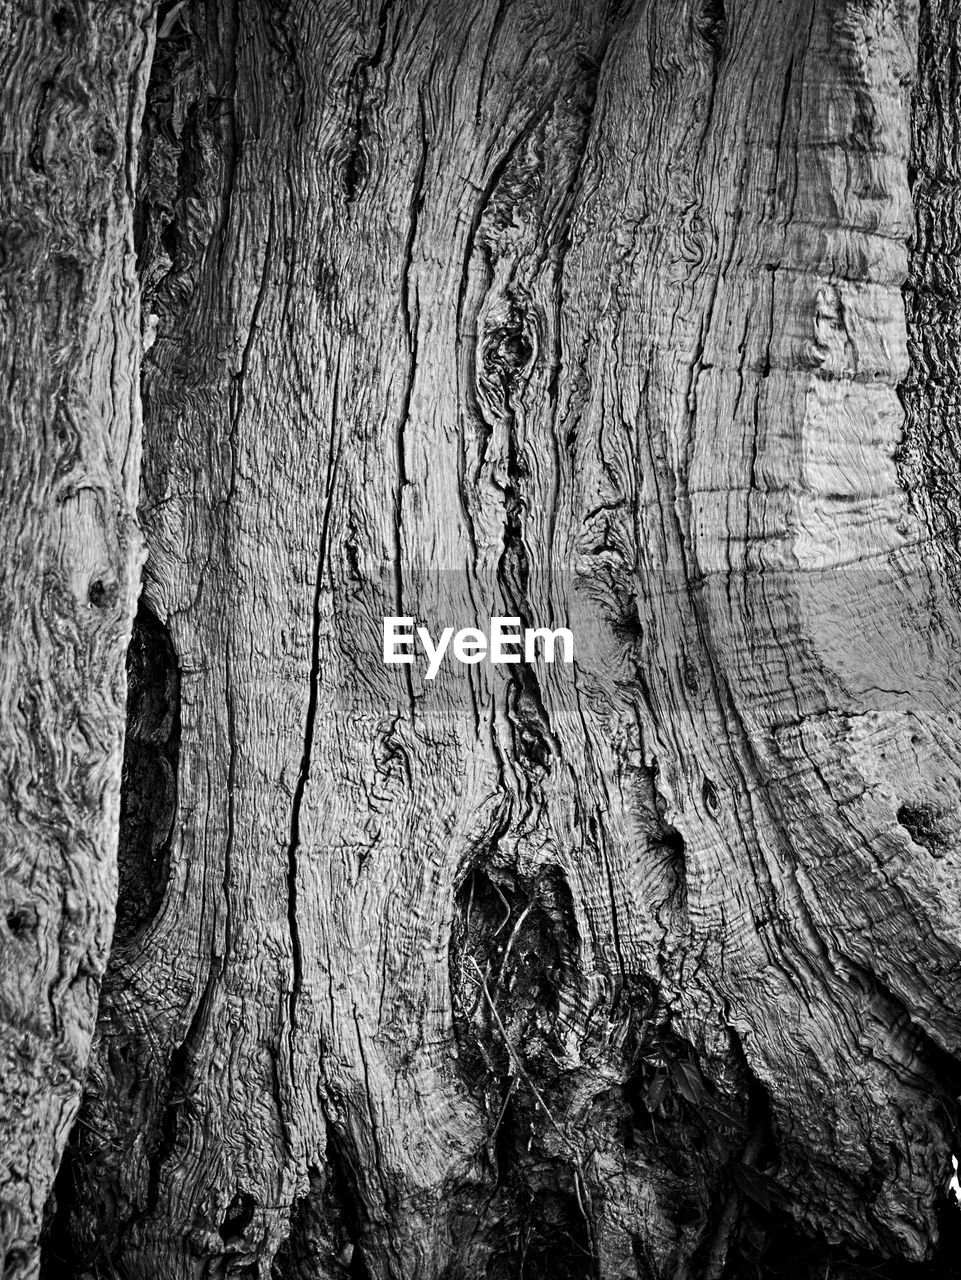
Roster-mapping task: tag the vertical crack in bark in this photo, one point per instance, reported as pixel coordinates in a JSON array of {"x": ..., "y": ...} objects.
[
  {"x": 226, "y": 95},
  {"x": 237, "y": 390},
  {"x": 293, "y": 846},
  {"x": 411, "y": 318},
  {"x": 229, "y": 699},
  {"x": 560, "y": 235},
  {"x": 310, "y": 719}
]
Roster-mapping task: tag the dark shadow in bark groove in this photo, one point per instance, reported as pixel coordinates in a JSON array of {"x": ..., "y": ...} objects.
[
  {"x": 325, "y": 1226},
  {"x": 148, "y": 788},
  {"x": 711, "y": 26},
  {"x": 549, "y": 1238},
  {"x": 83, "y": 1219},
  {"x": 768, "y": 1246},
  {"x": 57, "y": 1254},
  {"x": 178, "y": 185}
]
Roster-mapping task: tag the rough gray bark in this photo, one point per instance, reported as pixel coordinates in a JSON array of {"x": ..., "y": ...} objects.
[
  {"x": 593, "y": 314},
  {"x": 72, "y": 80}
]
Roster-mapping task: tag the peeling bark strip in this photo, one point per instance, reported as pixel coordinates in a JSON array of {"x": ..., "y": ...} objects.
[
  {"x": 72, "y": 80},
  {"x": 588, "y": 315}
]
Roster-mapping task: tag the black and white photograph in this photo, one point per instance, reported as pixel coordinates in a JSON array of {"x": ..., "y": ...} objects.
[{"x": 480, "y": 639}]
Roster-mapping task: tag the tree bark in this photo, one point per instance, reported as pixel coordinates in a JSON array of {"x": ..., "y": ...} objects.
[
  {"x": 72, "y": 82},
  {"x": 606, "y": 316}
]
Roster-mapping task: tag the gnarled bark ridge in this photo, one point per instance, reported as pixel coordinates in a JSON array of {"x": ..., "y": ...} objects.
[{"x": 72, "y": 82}]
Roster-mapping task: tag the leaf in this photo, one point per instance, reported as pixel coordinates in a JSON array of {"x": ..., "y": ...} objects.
[
  {"x": 689, "y": 1082},
  {"x": 654, "y": 1094},
  {"x": 757, "y": 1186}
]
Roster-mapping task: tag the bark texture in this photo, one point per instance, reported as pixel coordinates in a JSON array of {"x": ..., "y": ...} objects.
[
  {"x": 600, "y": 315},
  {"x": 72, "y": 82}
]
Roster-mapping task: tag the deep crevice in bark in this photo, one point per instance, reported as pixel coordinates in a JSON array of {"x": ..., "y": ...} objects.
[
  {"x": 511, "y": 962},
  {"x": 325, "y": 1225},
  {"x": 148, "y": 788},
  {"x": 511, "y": 957}
]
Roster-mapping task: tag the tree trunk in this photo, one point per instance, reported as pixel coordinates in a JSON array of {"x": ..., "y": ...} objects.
[
  {"x": 72, "y": 81},
  {"x": 594, "y": 316}
]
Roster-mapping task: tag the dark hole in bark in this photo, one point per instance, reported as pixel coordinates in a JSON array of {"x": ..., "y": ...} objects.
[
  {"x": 89, "y": 1209},
  {"x": 690, "y": 1125},
  {"x": 672, "y": 840},
  {"x": 174, "y": 158},
  {"x": 163, "y": 12},
  {"x": 346, "y": 1210},
  {"x": 507, "y": 351},
  {"x": 511, "y": 953},
  {"x": 148, "y": 791},
  {"x": 169, "y": 240},
  {"x": 102, "y": 595},
  {"x": 921, "y": 822},
  {"x": 628, "y": 625},
  {"x": 355, "y": 171},
  {"x": 669, "y": 844},
  {"x": 62, "y": 22},
  {"x": 711, "y": 26},
  {"x": 512, "y": 961},
  {"x": 516, "y": 349},
  {"x": 104, "y": 145},
  {"x": 709, "y": 794},
  {"x": 22, "y": 921},
  {"x": 239, "y": 1215}
]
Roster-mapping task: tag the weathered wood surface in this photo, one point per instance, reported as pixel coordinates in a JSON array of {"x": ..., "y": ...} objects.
[
  {"x": 591, "y": 314},
  {"x": 72, "y": 80}
]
